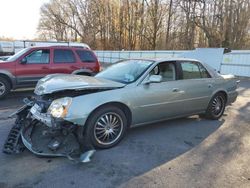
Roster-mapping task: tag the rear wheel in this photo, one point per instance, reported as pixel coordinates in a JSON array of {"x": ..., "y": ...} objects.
[
  {"x": 216, "y": 106},
  {"x": 4, "y": 87},
  {"x": 106, "y": 127}
]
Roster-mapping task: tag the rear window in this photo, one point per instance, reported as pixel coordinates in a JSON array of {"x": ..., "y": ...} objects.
[
  {"x": 190, "y": 70},
  {"x": 86, "y": 56},
  {"x": 63, "y": 56},
  {"x": 204, "y": 72},
  {"x": 193, "y": 70}
]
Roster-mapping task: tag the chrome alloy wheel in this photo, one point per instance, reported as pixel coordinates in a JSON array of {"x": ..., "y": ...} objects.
[
  {"x": 2, "y": 88},
  {"x": 108, "y": 128},
  {"x": 217, "y": 105}
]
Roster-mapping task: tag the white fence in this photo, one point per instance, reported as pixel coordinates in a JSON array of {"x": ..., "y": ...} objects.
[
  {"x": 236, "y": 62},
  {"x": 113, "y": 56}
]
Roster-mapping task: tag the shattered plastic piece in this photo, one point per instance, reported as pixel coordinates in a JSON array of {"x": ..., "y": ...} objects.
[
  {"x": 54, "y": 144},
  {"x": 85, "y": 157}
]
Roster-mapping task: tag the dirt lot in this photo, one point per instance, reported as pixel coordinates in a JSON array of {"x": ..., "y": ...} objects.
[{"x": 187, "y": 152}]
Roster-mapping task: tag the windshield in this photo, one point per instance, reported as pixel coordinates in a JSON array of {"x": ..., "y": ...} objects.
[
  {"x": 18, "y": 54},
  {"x": 126, "y": 71}
]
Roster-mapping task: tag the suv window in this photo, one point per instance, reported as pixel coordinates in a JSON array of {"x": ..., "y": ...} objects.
[
  {"x": 86, "y": 56},
  {"x": 63, "y": 56},
  {"x": 38, "y": 57}
]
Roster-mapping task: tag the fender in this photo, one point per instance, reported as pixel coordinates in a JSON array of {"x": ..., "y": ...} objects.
[
  {"x": 9, "y": 76},
  {"x": 83, "y": 71},
  {"x": 219, "y": 90}
]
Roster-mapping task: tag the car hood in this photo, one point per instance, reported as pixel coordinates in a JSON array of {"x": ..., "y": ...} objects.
[{"x": 59, "y": 82}]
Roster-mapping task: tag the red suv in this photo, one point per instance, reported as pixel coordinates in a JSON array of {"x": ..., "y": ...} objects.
[{"x": 26, "y": 67}]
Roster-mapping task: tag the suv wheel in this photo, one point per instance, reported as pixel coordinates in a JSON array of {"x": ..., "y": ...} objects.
[
  {"x": 4, "y": 87},
  {"x": 84, "y": 74}
]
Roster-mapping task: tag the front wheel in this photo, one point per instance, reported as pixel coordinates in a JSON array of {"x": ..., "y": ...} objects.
[
  {"x": 216, "y": 107},
  {"x": 106, "y": 127},
  {"x": 4, "y": 87}
]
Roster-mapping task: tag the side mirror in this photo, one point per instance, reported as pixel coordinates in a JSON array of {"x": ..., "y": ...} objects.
[
  {"x": 154, "y": 79},
  {"x": 24, "y": 60}
]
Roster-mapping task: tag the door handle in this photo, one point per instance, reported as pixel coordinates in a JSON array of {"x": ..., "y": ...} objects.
[
  {"x": 176, "y": 90},
  {"x": 210, "y": 85},
  {"x": 45, "y": 68}
]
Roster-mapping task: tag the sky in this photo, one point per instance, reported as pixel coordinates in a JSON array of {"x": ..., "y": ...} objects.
[{"x": 19, "y": 18}]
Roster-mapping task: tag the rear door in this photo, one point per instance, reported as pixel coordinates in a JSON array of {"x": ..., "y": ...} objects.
[
  {"x": 196, "y": 85},
  {"x": 33, "y": 66},
  {"x": 64, "y": 61}
]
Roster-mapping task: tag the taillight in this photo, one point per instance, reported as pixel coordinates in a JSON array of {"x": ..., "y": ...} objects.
[
  {"x": 97, "y": 67},
  {"x": 237, "y": 83}
]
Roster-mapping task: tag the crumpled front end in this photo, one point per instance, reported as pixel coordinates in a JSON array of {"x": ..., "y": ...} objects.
[{"x": 44, "y": 135}]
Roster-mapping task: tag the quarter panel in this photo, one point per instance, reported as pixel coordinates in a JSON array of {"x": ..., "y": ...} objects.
[{"x": 228, "y": 86}]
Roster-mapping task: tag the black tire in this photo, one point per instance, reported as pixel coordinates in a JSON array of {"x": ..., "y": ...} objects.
[
  {"x": 84, "y": 74},
  {"x": 216, "y": 107},
  {"x": 202, "y": 116},
  {"x": 96, "y": 128},
  {"x": 4, "y": 87}
]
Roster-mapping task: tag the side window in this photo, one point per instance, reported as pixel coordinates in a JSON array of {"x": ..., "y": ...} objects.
[
  {"x": 63, "y": 56},
  {"x": 86, "y": 56},
  {"x": 38, "y": 57},
  {"x": 190, "y": 70},
  {"x": 166, "y": 70},
  {"x": 204, "y": 72}
]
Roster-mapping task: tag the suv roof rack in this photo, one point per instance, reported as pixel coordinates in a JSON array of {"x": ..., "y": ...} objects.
[{"x": 29, "y": 43}]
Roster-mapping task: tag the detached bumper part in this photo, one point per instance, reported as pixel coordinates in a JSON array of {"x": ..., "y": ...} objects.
[
  {"x": 60, "y": 146},
  {"x": 13, "y": 143},
  {"x": 43, "y": 117},
  {"x": 84, "y": 157},
  {"x": 43, "y": 136},
  {"x": 42, "y": 140}
]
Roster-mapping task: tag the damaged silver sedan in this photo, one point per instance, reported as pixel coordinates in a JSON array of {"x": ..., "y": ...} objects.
[{"x": 71, "y": 115}]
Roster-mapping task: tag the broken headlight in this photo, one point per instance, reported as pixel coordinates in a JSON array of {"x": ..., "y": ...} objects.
[{"x": 59, "y": 107}]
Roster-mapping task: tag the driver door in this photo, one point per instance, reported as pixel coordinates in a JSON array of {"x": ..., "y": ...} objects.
[
  {"x": 159, "y": 101},
  {"x": 33, "y": 67}
]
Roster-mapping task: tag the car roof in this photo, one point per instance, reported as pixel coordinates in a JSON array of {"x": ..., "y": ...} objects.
[
  {"x": 164, "y": 59},
  {"x": 175, "y": 59}
]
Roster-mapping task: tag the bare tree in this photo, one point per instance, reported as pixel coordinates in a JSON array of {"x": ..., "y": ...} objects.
[{"x": 148, "y": 24}]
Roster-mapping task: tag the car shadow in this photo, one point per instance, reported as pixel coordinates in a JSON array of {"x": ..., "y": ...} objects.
[{"x": 147, "y": 147}]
